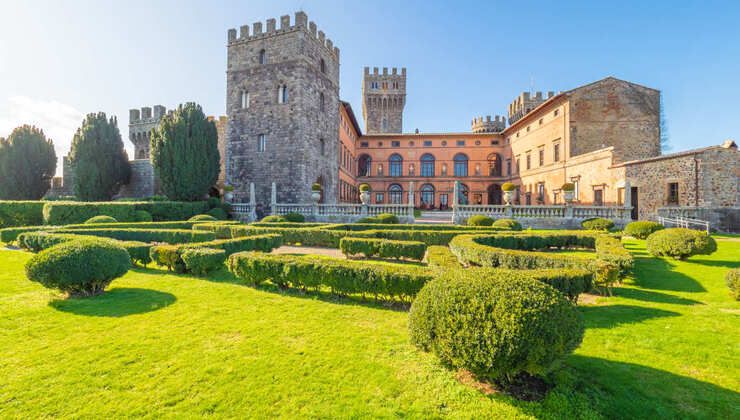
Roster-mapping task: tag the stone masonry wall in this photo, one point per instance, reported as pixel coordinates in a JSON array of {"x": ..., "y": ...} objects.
[{"x": 143, "y": 183}]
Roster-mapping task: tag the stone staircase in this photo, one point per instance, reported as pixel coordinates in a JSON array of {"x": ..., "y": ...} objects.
[{"x": 440, "y": 217}]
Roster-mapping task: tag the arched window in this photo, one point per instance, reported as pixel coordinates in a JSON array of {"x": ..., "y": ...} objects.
[
  {"x": 395, "y": 194},
  {"x": 494, "y": 164},
  {"x": 427, "y": 165},
  {"x": 395, "y": 165},
  {"x": 322, "y": 65},
  {"x": 245, "y": 99},
  {"x": 321, "y": 101},
  {"x": 427, "y": 195},
  {"x": 364, "y": 164},
  {"x": 282, "y": 94},
  {"x": 462, "y": 194},
  {"x": 263, "y": 57},
  {"x": 461, "y": 164},
  {"x": 384, "y": 124}
]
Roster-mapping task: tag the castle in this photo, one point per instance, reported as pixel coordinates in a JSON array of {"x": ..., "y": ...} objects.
[{"x": 287, "y": 124}]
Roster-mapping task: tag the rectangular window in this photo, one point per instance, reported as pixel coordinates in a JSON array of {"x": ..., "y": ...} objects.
[
  {"x": 364, "y": 144},
  {"x": 461, "y": 142},
  {"x": 508, "y": 167},
  {"x": 540, "y": 122},
  {"x": 673, "y": 193},
  {"x": 541, "y": 192},
  {"x": 529, "y": 161},
  {"x": 427, "y": 143},
  {"x": 443, "y": 201},
  {"x": 323, "y": 146},
  {"x": 261, "y": 142},
  {"x": 556, "y": 152},
  {"x": 395, "y": 144},
  {"x": 541, "y": 157},
  {"x": 518, "y": 159},
  {"x": 555, "y": 113},
  {"x": 576, "y": 188},
  {"x": 528, "y": 198},
  {"x": 599, "y": 197},
  {"x": 494, "y": 142},
  {"x": 379, "y": 197}
]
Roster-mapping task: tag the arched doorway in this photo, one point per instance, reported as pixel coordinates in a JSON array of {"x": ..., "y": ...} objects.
[
  {"x": 395, "y": 194},
  {"x": 427, "y": 196},
  {"x": 494, "y": 194},
  {"x": 320, "y": 181}
]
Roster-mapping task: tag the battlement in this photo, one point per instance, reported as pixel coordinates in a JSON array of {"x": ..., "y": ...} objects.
[
  {"x": 376, "y": 72},
  {"x": 489, "y": 125},
  {"x": 300, "y": 23},
  {"x": 526, "y": 102},
  {"x": 145, "y": 115}
]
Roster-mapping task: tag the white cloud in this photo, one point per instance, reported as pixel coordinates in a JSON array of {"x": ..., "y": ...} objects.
[{"x": 58, "y": 120}]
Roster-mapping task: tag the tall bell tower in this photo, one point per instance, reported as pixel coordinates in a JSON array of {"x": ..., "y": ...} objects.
[{"x": 383, "y": 99}]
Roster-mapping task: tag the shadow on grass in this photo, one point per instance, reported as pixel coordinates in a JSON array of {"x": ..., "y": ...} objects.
[
  {"x": 116, "y": 303},
  {"x": 649, "y": 296},
  {"x": 711, "y": 263},
  {"x": 658, "y": 273},
  {"x": 627, "y": 390},
  {"x": 610, "y": 316}
]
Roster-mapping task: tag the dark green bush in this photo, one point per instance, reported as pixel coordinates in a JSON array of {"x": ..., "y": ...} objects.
[
  {"x": 480, "y": 220},
  {"x": 222, "y": 230},
  {"x": 9, "y": 235},
  {"x": 21, "y": 213},
  {"x": 441, "y": 257},
  {"x": 733, "y": 282},
  {"x": 170, "y": 236},
  {"x": 171, "y": 255},
  {"x": 605, "y": 276},
  {"x": 214, "y": 202},
  {"x": 341, "y": 276},
  {"x": 611, "y": 250},
  {"x": 71, "y": 212},
  {"x": 100, "y": 219},
  {"x": 571, "y": 282},
  {"x": 39, "y": 241},
  {"x": 597, "y": 223},
  {"x": 295, "y": 218},
  {"x": 202, "y": 218},
  {"x": 387, "y": 219},
  {"x": 680, "y": 243},
  {"x": 642, "y": 229},
  {"x": 273, "y": 219},
  {"x": 496, "y": 326},
  {"x": 201, "y": 261},
  {"x": 168, "y": 256},
  {"x": 383, "y": 248},
  {"x": 81, "y": 267},
  {"x": 507, "y": 224},
  {"x": 142, "y": 216},
  {"x": 218, "y": 213},
  {"x": 138, "y": 251}
]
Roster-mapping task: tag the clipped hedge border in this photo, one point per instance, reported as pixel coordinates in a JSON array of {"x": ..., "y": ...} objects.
[
  {"x": 343, "y": 277},
  {"x": 21, "y": 213},
  {"x": 71, "y": 212},
  {"x": 571, "y": 282},
  {"x": 39, "y": 241},
  {"x": 383, "y": 248},
  {"x": 170, "y": 236},
  {"x": 441, "y": 257}
]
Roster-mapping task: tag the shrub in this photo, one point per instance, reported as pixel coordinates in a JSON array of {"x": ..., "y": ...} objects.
[
  {"x": 387, "y": 218},
  {"x": 568, "y": 186},
  {"x": 201, "y": 261},
  {"x": 138, "y": 251},
  {"x": 370, "y": 220},
  {"x": 72, "y": 212},
  {"x": 221, "y": 230},
  {"x": 597, "y": 223},
  {"x": 497, "y": 326},
  {"x": 733, "y": 282},
  {"x": 273, "y": 219},
  {"x": 9, "y": 235},
  {"x": 316, "y": 187},
  {"x": 441, "y": 257},
  {"x": 605, "y": 276},
  {"x": 341, "y": 276},
  {"x": 82, "y": 267},
  {"x": 27, "y": 164},
  {"x": 383, "y": 248},
  {"x": 142, "y": 216},
  {"x": 214, "y": 202},
  {"x": 39, "y": 241},
  {"x": 507, "y": 224},
  {"x": 571, "y": 282},
  {"x": 170, "y": 236},
  {"x": 171, "y": 255},
  {"x": 480, "y": 220},
  {"x": 508, "y": 186},
  {"x": 611, "y": 250},
  {"x": 21, "y": 213},
  {"x": 217, "y": 213},
  {"x": 680, "y": 243},
  {"x": 642, "y": 229},
  {"x": 295, "y": 218},
  {"x": 168, "y": 256},
  {"x": 202, "y": 218},
  {"x": 100, "y": 219}
]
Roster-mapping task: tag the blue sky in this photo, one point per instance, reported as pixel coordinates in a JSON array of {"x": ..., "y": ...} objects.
[{"x": 59, "y": 60}]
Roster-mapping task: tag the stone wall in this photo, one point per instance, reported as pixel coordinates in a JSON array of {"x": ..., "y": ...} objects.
[
  {"x": 143, "y": 183},
  {"x": 383, "y": 100}
]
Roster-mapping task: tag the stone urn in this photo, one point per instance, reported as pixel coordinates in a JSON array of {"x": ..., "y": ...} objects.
[
  {"x": 365, "y": 197},
  {"x": 316, "y": 196},
  {"x": 568, "y": 196},
  {"x": 508, "y": 197},
  {"x": 229, "y": 196}
]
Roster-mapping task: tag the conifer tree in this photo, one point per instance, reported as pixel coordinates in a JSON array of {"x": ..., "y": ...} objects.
[
  {"x": 27, "y": 164},
  {"x": 99, "y": 161},
  {"x": 184, "y": 153}
]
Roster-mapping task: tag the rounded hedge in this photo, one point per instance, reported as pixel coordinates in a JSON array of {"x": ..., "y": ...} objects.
[
  {"x": 202, "y": 218},
  {"x": 597, "y": 223},
  {"x": 295, "y": 218},
  {"x": 642, "y": 229},
  {"x": 507, "y": 224},
  {"x": 214, "y": 202},
  {"x": 387, "y": 218},
  {"x": 82, "y": 267},
  {"x": 680, "y": 243},
  {"x": 480, "y": 220},
  {"x": 497, "y": 327},
  {"x": 274, "y": 219},
  {"x": 100, "y": 219},
  {"x": 142, "y": 216},
  {"x": 218, "y": 213},
  {"x": 733, "y": 282}
]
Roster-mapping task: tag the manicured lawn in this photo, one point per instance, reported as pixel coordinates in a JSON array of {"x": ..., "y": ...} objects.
[{"x": 668, "y": 345}]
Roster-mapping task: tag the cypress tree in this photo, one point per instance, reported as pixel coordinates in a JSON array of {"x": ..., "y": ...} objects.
[
  {"x": 184, "y": 153},
  {"x": 98, "y": 159},
  {"x": 27, "y": 164}
]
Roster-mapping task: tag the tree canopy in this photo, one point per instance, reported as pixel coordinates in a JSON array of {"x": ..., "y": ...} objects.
[{"x": 27, "y": 164}]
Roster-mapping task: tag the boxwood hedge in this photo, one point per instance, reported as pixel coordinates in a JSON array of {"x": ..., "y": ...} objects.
[
  {"x": 441, "y": 257},
  {"x": 201, "y": 261},
  {"x": 21, "y": 213},
  {"x": 170, "y": 236},
  {"x": 71, "y": 212},
  {"x": 642, "y": 229},
  {"x": 680, "y": 243},
  {"x": 383, "y": 248}
]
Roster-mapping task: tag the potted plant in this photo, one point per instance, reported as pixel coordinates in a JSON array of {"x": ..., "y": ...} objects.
[
  {"x": 365, "y": 193},
  {"x": 316, "y": 192},
  {"x": 568, "y": 192},
  {"x": 508, "y": 188},
  {"x": 228, "y": 193}
]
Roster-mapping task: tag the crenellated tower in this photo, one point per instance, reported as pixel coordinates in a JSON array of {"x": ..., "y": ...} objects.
[
  {"x": 524, "y": 103},
  {"x": 383, "y": 99},
  {"x": 140, "y": 124},
  {"x": 495, "y": 125},
  {"x": 282, "y": 102}
]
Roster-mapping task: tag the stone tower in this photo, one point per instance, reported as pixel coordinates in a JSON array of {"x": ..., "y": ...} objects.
[
  {"x": 282, "y": 102},
  {"x": 495, "y": 125},
  {"x": 525, "y": 103},
  {"x": 140, "y": 125},
  {"x": 383, "y": 99}
]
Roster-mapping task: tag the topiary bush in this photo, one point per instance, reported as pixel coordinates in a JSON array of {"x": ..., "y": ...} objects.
[
  {"x": 383, "y": 248},
  {"x": 217, "y": 213},
  {"x": 642, "y": 229},
  {"x": 496, "y": 326},
  {"x": 387, "y": 218},
  {"x": 81, "y": 267},
  {"x": 733, "y": 282},
  {"x": 100, "y": 219},
  {"x": 680, "y": 243},
  {"x": 273, "y": 219},
  {"x": 295, "y": 218},
  {"x": 142, "y": 216},
  {"x": 479, "y": 220},
  {"x": 201, "y": 261},
  {"x": 597, "y": 223},
  {"x": 441, "y": 257},
  {"x": 507, "y": 224},
  {"x": 202, "y": 218}
]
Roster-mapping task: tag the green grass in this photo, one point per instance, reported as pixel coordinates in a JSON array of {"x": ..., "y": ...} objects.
[{"x": 158, "y": 344}]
